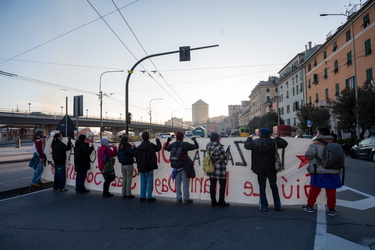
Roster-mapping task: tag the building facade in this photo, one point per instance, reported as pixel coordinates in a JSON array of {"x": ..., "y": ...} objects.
[{"x": 200, "y": 113}]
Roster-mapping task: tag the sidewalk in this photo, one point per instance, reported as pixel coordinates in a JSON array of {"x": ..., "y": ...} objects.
[{"x": 13, "y": 154}]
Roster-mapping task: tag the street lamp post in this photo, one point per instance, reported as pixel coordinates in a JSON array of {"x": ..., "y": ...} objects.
[
  {"x": 149, "y": 109},
  {"x": 172, "y": 116},
  {"x": 62, "y": 110},
  {"x": 101, "y": 98},
  {"x": 29, "y": 106},
  {"x": 355, "y": 71}
]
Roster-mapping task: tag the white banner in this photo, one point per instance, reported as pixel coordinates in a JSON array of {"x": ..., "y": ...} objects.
[{"x": 242, "y": 184}]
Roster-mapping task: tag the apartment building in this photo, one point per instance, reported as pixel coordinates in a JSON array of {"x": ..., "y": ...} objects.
[
  {"x": 200, "y": 113},
  {"x": 346, "y": 58}
]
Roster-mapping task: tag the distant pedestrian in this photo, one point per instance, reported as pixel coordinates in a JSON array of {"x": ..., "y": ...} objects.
[
  {"x": 179, "y": 173},
  {"x": 39, "y": 158},
  {"x": 59, "y": 158},
  {"x": 146, "y": 164},
  {"x": 128, "y": 150},
  {"x": 82, "y": 152},
  {"x": 105, "y": 155},
  {"x": 219, "y": 159},
  {"x": 321, "y": 177},
  {"x": 263, "y": 165}
]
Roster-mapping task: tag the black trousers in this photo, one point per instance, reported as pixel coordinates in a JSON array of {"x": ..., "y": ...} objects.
[
  {"x": 223, "y": 183},
  {"x": 108, "y": 178}
]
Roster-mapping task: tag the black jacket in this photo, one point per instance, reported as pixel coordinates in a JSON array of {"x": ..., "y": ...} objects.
[
  {"x": 59, "y": 152},
  {"x": 82, "y": 153},
  {"x": 129, "y": 151},
  {"x": 146, "y": 157},
  {"x": 185, "y": 146},
  {"x": 263, "y": 153}
]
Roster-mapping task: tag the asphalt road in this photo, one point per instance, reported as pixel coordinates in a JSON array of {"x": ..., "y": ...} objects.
[{"x": 46, "y": 219}]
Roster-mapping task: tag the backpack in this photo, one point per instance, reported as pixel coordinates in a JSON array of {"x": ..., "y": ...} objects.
[
  {"x": 176, "y": 156},
  {"x": 333, "y": 155},
  {"x": 208, "y": 166},
  {"x": 121, "y": 156}
]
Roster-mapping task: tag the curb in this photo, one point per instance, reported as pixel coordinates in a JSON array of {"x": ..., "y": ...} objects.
[{"x": 24, "y": 190}]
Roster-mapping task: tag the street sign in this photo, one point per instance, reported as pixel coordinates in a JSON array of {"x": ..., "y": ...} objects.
[
  {"x": 184, "y": 53},
  {"x": 309, "y": 123}
]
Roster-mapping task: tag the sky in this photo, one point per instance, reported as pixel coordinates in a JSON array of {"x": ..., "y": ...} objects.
[{"x": 58, "y": 49}]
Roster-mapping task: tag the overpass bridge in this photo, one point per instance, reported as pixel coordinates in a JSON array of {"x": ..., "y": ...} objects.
[{"x": 36, "y": 120}]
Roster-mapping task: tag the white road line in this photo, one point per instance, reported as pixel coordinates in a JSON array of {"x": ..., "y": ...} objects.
[
  {"x": 20, "y": 196},
  {"x": 321, "y": 228}
]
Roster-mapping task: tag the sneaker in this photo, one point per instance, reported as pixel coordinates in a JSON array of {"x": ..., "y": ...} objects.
[
  {"x": 332, "y": 212},
  {"x": 308, "y": 209},
  {"x": 189, "y": 201},
  {"x": 179, "y": 201},
  {"x": 63, "y": 190},
  {"x": 150, "y": 200},
  {"x": 130, "y": 196},
  {"x": 34, "y": 185},
  {"x": 142, "y": 199}
]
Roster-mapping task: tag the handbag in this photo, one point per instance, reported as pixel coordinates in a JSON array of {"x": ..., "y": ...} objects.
[
  {"x": 108, "y": 167},
  {"x": 279, "y": 164}
]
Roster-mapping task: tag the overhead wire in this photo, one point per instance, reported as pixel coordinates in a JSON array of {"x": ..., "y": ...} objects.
[
  {"x": 144, "y": 50},
  {"x": 55, "y": 38}
]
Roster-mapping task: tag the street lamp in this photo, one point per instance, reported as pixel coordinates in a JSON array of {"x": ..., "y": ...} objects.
[
  {"x": 62, "y": 110},
  {"x": 101, "y": 98},
  {"x": 29, "y": 106},
  {"x": 149, "y": 109},
  {"x": 172, "y": 116},
  {"x": 355, "y": 71},
  {"x": 87, "y": 113}
]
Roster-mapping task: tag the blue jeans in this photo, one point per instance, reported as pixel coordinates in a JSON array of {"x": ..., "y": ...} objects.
[
  {"x": 60, "y": 177},
  {"x": 147, "y": 183},
  {"x": 262, "y": 179},
  {"x": 38, "y": 172}
]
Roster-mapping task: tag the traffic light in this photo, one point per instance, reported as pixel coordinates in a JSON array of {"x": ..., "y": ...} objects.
[
  {"x": 184, "y": 53},
  {"x": 129, "y": 117}
]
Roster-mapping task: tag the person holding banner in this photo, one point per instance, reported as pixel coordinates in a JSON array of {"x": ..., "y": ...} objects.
[
  {"x": 219, "y": 159},
  {"x": 59, "y": 158},
  {"x": 39, "y": 158},
  {"x": 82, "y": 153},
  {"x": 126, "y": 154},
  {"x": 263, "y": 165},
  {"x": 179, "y": 173},
  {"x": 146, "y": 163},
  {"x": 104, "y": 155}
]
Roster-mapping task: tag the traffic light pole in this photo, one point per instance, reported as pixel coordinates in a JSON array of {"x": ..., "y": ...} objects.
[{"x": 127, "y": 122}]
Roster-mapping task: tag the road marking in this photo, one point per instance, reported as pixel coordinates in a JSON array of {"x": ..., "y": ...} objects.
[
  {"x": 363, "y": 204},
  {"x": 321, "y": 228},
  {"x": 20, "y": 196}
]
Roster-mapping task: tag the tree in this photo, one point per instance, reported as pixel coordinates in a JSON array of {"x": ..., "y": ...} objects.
[
  {"x": 254, "y": 124},
  {"x": 345, "y": 109},
  {"x": 319, "y": 116}
]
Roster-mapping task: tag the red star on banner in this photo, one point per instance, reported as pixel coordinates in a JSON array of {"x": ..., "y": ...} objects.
[{"x": 304, "y": 160}]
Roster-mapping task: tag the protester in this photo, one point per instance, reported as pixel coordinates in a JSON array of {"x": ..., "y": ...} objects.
[
  {"x": 321, "y": 177},
  {"x": 82, "y": 152},
  {"x": 146, "y": 163},
  {"x": 104, "y": 155},
  {"x": 179, "y": 173},
  {"x": 38, "y": 160},
  {"x": 127, "y": 167},
  {"x": 219, "y": 159},
  {"x": 59, "y": 158},
  {"x": 263, "y": 165}
]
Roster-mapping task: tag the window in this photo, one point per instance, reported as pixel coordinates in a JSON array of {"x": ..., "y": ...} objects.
[
  {"x": 297, "y": 90},
  {"x": 349, "y": 83},
  {"x": 287, "y": 95},
  {"x": 267, "y": 90},
  {"x": 325, "y": 54},
  {"x": 326, "y": 93},
  {"x": 334, "y": 46},
  {"x": 282, "y": 110},
  {"x": 336, "y": 67},
  {"x": 309, "y": 67},
  {"x": 316, "y": 97},
  {"x": 315, "y": 79},
  {"x": 367, "y": 47},
  {"x": 325, "y": 73},
  {"x": 349, "y": 58},
  {"x": 315, "y": 63},
  {"x": 337, "y": 89},
  {"x": 287, "y": 109},
  {"x": 348, "y": 35},
  {"x": 309, "y": 84},
  {"x": 294, "y": 93},
  {"x": 301, "y": 87},
  {"x": 310, "y": 99},
  {"x": 366, "y": 21},
  {"x": 369, "y": 76}
]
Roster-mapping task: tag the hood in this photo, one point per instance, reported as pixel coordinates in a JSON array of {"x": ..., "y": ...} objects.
[
  {"x": 264, "y": 144},
  {"x": 143, "y": 146},
  {"x": 79, "y": 142}
]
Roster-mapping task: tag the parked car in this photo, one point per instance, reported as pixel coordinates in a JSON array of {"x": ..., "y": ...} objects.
[{"x": 364, "y": 149}]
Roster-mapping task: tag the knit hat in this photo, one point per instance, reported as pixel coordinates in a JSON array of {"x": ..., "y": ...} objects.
[
  {"x": 214, "y": 136},
  {"x": 179, "y": 136},
  {"x": 104, "y": 141},
  {"x": 265, "y": 132}
]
